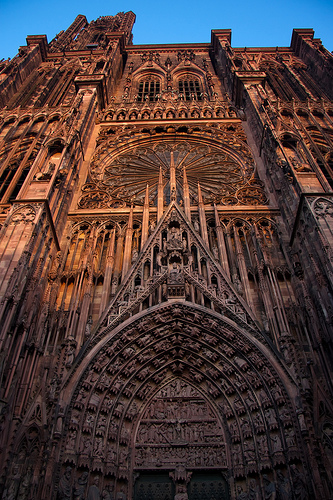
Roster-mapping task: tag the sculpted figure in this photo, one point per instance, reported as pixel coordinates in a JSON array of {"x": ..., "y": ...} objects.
[
  {"x": 234, "y": 431},
  {"x": 250, "y": 401},
  {"x": 283, "y": 486},
  {"x": 121, "y": 495},
  {"x": 86, "y": 446},
  {"x": 249, "y": 451},
  {"x": 269, "y": 488},
  {"x": 93, "y": 492},
  {"x": 25, "y": 485},
  {"x": 290, "y": 438},
  {"x": 174, "y": 273},
  {"x": 53, "y": 386},
  {"x": 70, "y": 445},
  {"x": 70, "y": 356},
  {"x": 276, "y": 445},
  {"x": 262, "y": 444},
  {"x": 65, "y": 489},
  {"x": 11, "y": 492},
  {"x": 159, "y": 257},
  {"x": 88, "y": 326},
  {"x": 253, "y": 490},
  {"x": 263, "y": 397},
  {"x": 152, "y": 227},
  {"x": 107, "y": 493},
  {"x": 98, "y": 448},
  {"x": 182, "y": 494},
  {"x": 241, "y": 495},
  {"x": 237, "y": 455},
  {"x": 299, "y": 484},
  {"x": 80, "y": 487},
  {"x": 246, "y": 428},
  {"x": 270, "y": 417}
]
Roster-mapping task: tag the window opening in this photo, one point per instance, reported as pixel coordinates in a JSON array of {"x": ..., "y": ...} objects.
[
  {"x": 190, "y": 89},
  {"x": 148, "y": 90},
  {"x": 6, "y": 179}
]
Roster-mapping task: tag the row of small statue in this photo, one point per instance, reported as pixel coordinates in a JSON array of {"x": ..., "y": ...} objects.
[
  {"x": 283, "y": 489},
  {"x": 79, "y": 492}
]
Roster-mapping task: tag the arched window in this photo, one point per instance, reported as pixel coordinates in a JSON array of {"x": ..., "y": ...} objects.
[
  {"x": 190, "y": 88},
  {"x": 149, "y": 89}
]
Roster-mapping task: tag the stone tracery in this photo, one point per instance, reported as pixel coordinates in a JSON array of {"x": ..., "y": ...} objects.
[{"x": 120, "y": 178}]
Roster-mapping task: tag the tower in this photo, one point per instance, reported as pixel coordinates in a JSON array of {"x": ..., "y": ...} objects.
[{"x": 165, "y": 276}]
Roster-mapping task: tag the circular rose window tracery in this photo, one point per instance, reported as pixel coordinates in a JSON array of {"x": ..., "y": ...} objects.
[{"x": 123, "y": 177}]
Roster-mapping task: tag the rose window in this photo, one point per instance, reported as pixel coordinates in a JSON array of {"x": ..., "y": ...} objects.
[{"x": 120, "y": 179}]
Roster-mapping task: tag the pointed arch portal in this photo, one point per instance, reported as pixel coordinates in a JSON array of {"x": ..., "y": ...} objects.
[{"x": 178, "y": 398}]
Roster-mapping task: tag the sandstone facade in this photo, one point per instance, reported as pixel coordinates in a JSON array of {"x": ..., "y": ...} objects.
[{"x": 166, "y": 268}]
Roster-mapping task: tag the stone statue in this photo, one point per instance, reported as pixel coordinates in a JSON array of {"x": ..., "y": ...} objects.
[
  {"x": 107, "y": 493},
  {"x": 25, "y": 485},
  {"x": 269, "y": 488},
  {"x": 11, "y": 492},
  {"x": 159, "y": 257},
  {"x": 65, "y": 489},
  {"x": 70, "y": 356},
  {"x": 283, "y": 486},
  {"x": 253, "y": 490},
  {"x": 241, "y": 495},
  {"x": 80, "y": 487},
  {"x": 135, "y": 255},
  {"x": 181, "y": 494},
  {"x": 152, "y": 227},
  {"x": 121, "y": 495},
  {"x": 299, "y": 484},
  {"x": 175, "y": 275},
  {"x": 93, "y": 492},
  {"x": 88, "y": 326}
]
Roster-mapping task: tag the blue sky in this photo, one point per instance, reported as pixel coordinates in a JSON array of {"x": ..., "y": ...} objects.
[{"x": 255, "y": 23}]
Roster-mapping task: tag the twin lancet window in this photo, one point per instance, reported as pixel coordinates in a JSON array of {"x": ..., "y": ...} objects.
[{"x": 149, "y": 90}]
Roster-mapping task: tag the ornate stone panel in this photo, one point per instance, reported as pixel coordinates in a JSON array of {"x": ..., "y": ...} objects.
[{"x": 179, "y": 427}]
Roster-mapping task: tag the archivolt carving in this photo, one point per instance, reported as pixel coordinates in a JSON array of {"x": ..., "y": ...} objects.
[{"x": 182, "y": 390}]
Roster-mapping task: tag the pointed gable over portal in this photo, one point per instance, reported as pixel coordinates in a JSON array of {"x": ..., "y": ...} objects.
[{"x": 177, "y": 262}]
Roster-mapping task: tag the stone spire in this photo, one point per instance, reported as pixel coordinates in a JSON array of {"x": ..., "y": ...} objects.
[
  {"x": 186, "y": 192},
  {"x": 128, "y": 244},
  {"x": 145, "y": 219},
  {"x": 160, "y": 197},
  {"x": 173, "y": 187},
  {"x": 202, "y": 217},
  {"x": 221, "y": 243}
]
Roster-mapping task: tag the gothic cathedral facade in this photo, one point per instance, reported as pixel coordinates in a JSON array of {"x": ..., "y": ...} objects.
[{"x": 166, "y": 294}]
